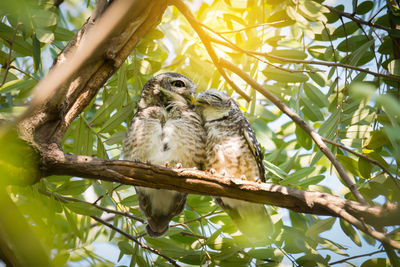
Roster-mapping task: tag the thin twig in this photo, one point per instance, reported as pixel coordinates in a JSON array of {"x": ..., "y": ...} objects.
[
  {"x": 9, "y": 54},
  {"x": 24, "y": 72},
  {"x": 355, "y": 257},
  {"x": 68, "y": 199},
  {"x": 373, "y": 161},
  {"x": 310, "y": 62},
  {"x": 252, "y": 26},
  {"x": 253, "y": 55},
  {"x": 353, "y": 18},
  {"x": 361, "y": 225},
  {"x": 134, "y": 239}
]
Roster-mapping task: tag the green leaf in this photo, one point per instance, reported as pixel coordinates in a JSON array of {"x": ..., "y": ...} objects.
[
  {"x": 357, "y": 54},
  {"x": 261, "y": 253},
  {"x": 116, "y": 138},
  {"x": 130, "y": 201},
  {"x": 310, "y": 110},
  {"x": 295, "y": 177},
  {"x": 73, "y": 187},
  {"x": 62, "y": 34},
  {"x": 394, "y": 67},
  {"x": 364, "y": 7},
  {"x": 274, "y": 170},
  {"x": 353, "y": 43},
  {"x": 17, "y": 84},
  {"x": 346, "y": 29},
  {"x": 319, "y": 227},
  {"x": 315, "y": 95},
  {"x": 288, "y": 53},
  {"x": 284, "y": 76},
  {"x": 313, "y": 180},
  {"x": 349, "y": 164},
  {"x": 36, "y": 53},
  {"x": 101, "y": 151},
  {"x": 118, "y": 118},
  {"x": 365, "y": 168},
  {"x": 21, "y": 46},
  {"x": 350, "y": 232},
  {"x": 72, "y": 222},
  {"x": 125, "y": 247},
  {"x": 377, "y": 139},
  {"x": 303, "y": 138},
  {"x": 83, "y": 208},
  {"x": 376, "y": 262}
]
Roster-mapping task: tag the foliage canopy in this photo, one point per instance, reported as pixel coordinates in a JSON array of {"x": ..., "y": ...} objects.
[{"x": 337, "y": 67}]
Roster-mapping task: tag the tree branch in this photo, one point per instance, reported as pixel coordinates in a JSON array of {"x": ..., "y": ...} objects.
[
  {"x": 357, "y": 20},
  {"x": 355, "y": 257},
  {"x": 95, "y": 53},
  {"x": 134, "y": 239},
  {"x": 199, "y": 182}
]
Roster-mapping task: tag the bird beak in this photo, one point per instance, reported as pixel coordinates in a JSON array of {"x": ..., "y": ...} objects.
[{"x": 192, "y": 100}]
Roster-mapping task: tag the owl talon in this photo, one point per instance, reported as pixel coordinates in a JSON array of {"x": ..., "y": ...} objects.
[
  {"x": 166, "y": 164},
  {"x": 148, "y": 162},
  {"x": 136, "y": 160},
  {"x": 223, "y": 173},
  {"x": 243, "y": 177},
  {"x": 258, "y": 181},
  {"x": 179, "y": 165},
  {"x": 212, "y": 171}
]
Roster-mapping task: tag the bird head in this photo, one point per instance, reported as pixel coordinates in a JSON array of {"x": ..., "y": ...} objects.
[
  {"x": 213, "y": 104},
  {"x": 166, "y": 88}
]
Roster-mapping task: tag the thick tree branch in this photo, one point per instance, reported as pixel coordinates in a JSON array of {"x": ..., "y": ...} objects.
[
  {"x": 95, "y": 53},
  {"x": 198, "y": 182}
]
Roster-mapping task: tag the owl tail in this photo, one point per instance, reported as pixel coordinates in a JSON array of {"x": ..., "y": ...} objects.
[
  {"x": 250, "y": 218},
  {"x": 157, "y": 225}
]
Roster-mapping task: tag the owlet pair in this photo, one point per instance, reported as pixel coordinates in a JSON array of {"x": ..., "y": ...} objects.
[{"x": 167, "y": 128}]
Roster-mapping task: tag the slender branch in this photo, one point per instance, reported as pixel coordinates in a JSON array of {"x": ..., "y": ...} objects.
[
  {"x": 297, "y": 119},
  {"x": 357, "y": 20},
  {"x": 24, "y": 72},
  {"x": 253, "y": 54},
  {"x": 229, "y": 44},
  {"x": 251, "y": 27},
  {"x": 68, "y": 199},
  {"x": 364, "y": 157},
  {"x": 362, "y": 226},
  {"x": 207, "y": 43},
  {"x": 134, "y": 239},
  {"x": 315, "y": 62},
  {"x": 355, "y": 257}
]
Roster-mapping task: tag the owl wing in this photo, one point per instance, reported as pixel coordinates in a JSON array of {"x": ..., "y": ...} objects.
[{"x": 251, "y": 140}]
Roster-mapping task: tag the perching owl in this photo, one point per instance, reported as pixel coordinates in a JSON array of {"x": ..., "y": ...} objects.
[
  {"x": 233, "y": 150},
  {"x": 165, "y": 130}
]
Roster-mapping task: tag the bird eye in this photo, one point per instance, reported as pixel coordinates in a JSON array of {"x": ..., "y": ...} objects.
[
  {"x": 216, "y": 97},
  {"x": 178, "y": 83}
]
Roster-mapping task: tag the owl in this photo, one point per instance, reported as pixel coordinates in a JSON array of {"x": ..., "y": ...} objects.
[
  {"x": 165, "y": 130},
  {"x": 232, "y": 150}
]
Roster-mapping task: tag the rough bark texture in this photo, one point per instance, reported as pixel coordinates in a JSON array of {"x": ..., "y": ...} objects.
[{"x": 199, "y": 182}]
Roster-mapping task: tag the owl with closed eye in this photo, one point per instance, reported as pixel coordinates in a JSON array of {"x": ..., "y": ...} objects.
[
  {"x": 165, "y": 130},
  {"x": 232, "y": 150}
]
